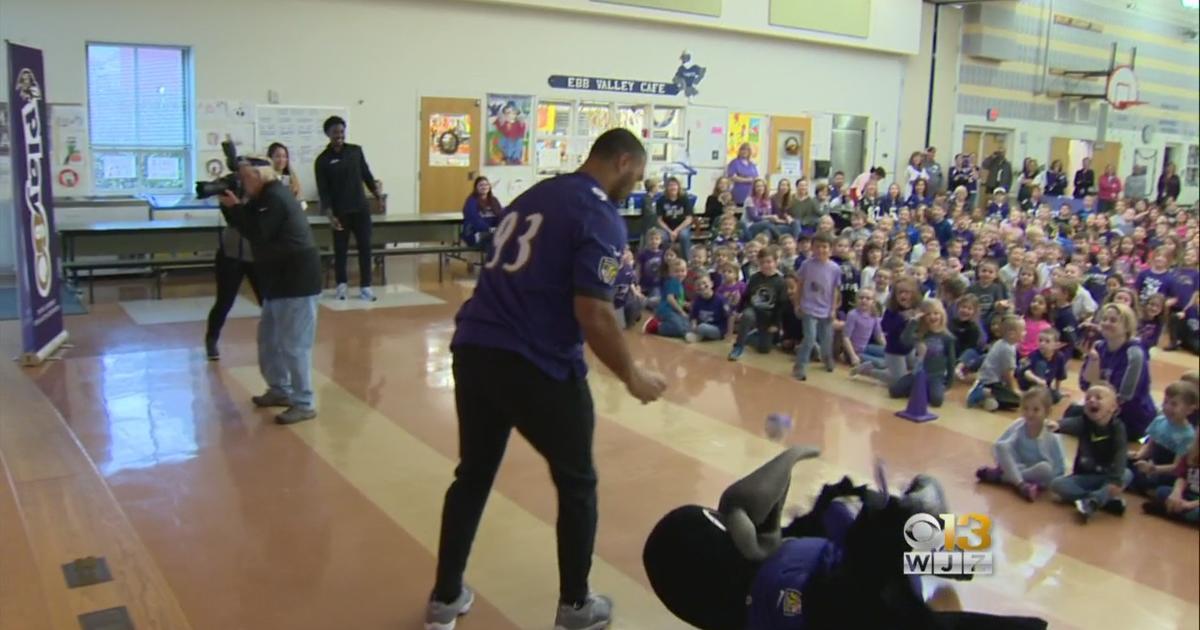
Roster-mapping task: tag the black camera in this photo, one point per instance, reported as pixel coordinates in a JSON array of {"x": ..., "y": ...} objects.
[
  {"x": 204, "y": 190},
  {"x": 230, "y": 182}
]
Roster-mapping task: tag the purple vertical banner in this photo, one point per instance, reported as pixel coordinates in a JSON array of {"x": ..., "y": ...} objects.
[{"x": 38, "y": 289}]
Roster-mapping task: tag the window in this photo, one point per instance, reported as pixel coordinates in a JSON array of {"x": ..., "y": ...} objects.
[{"x": 139, "y": 111}]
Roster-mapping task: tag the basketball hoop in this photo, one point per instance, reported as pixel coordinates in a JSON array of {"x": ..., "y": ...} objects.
[{"x": 1122, "y": 89}]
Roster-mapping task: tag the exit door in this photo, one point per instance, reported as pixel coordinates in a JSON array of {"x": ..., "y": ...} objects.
[{"x": 450, "y": 147}]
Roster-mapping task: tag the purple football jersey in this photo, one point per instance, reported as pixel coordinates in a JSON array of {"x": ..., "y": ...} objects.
[{"x": 561, "y": 238}]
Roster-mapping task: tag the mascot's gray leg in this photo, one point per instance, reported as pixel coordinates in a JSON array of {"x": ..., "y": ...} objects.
[{"x": 753, "y": 505}]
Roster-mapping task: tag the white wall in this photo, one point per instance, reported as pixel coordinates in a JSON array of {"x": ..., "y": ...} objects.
[
  {"x": 378, "y": 58},
  {"x": 915, "y": 96}
]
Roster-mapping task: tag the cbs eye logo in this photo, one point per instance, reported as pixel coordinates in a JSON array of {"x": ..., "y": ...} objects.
[{"x": 926, "y": 532}]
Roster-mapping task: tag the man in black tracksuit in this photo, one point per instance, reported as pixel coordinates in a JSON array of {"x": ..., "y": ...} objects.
[{"x": 342, "y": 173}]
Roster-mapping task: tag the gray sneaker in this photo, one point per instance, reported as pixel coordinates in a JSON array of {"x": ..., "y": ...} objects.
[
  {"x": 594, "y": 614},
  {"x": 439, "y": 616},
  {"x": 271, "y": 399},
  {"x": 296, "y": 414}
]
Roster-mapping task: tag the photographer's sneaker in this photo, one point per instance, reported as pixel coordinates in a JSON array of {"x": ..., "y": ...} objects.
[
  {"x": 366, "y": 294},
  {"x": 442, "y": 616},
  {"x": 340, "y": 292},
  {"x": 594, "y": 614},
  {"x": 295, "y": 414},
  {"x": 211, "y": 350},
  {"x": 271, "y": 399}
]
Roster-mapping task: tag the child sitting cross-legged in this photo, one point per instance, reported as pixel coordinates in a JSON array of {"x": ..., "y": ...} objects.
[
  {"x": 1167, "y": 440},
  {"x": 1028, "y": 455},
  {"x": 993, "y": 387},
  {"x": 710, "y": 317},
  {"x": 1181, "y": 499},
  {"x": 862, "y": 337},
  {"x": 671, "y": 311},
  {"x": 1099, "y": 474},
  {"x": 1046, "y": 367}
]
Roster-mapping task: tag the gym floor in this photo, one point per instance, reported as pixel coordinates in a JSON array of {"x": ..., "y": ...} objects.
[{"x": 226, "y": 521}]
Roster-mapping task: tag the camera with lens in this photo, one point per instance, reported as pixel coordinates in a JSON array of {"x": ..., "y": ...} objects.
[{"x": 230, "y": 182}]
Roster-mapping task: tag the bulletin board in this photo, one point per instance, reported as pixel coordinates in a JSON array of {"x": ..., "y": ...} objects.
[
  {"x": 300, "y": 129},
  {"x": 751, "y": 128}
]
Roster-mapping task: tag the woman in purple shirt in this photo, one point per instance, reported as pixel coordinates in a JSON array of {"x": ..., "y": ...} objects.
[
  {"x": 743, "y": 172},
  {"x": 1120, "y": 360}
]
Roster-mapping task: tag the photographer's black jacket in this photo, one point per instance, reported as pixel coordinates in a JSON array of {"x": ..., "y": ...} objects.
[
  {"x": 341, "y": 176},
  {"x": 286, "y": 260}
]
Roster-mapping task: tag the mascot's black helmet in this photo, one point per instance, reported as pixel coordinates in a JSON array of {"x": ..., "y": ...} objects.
[{"x": 696, "y": 571}]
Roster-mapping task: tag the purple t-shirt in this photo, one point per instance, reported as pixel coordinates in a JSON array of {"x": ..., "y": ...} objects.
[
  {"x": 1128, "y": 370},
  {"x": 1185, "y": 282},
  {"x": 1150, "y": 282},
  {"x": 732, "y": 293},
  {"x": 650, "y": 262},
  {"x": 711, "y": 311},
  {"x": 860, "y": 328},
  {"x": 566, "y": 241},
  {"x": 741, "y": 168},
  {"x": 819, "y": 281}
]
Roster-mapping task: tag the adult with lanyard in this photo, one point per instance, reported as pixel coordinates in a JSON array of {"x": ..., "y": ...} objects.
[
  {"x": 1085, "y": 180},
  {"x": 481, "y": 215},
  {"x": 1119, "y": 359},
  {"x": 518, "y": 363},
  {"x": 743, "y": 172},
  {"x": 342, "y": 176},
  {"x": 733, "y": 567},
  {"x": 675, "y": 215}
]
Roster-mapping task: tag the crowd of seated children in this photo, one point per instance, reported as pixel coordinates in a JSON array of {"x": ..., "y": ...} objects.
[{"x": 1005, "y": 299}]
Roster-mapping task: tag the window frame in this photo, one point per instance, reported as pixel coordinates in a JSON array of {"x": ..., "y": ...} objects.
[{"x": 187, "y": 151}]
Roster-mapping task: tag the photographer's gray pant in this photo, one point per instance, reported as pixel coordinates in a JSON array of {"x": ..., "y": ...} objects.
[{"x": 285, "y": 339}]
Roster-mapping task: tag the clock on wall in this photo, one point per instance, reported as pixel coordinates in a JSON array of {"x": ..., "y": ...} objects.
[{"x": 1147, "y": 134}]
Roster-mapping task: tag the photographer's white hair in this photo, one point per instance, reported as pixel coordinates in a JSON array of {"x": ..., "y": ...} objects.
[{"x": 266, "y": 172}]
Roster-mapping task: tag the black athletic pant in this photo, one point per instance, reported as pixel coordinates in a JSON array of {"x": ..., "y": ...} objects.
[
  {"x": 496, "y": 391},
  {"x": 230, "y": 272},
  {"x": 359, "y": 224}
]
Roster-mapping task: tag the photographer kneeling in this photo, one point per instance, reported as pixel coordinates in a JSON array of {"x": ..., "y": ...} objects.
[{"x": 289, "y": 275}]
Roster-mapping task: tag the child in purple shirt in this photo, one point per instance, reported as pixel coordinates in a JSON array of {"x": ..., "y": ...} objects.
[
  {"x": 862, "y": 336},
  {"x": 820, "y": 281}
]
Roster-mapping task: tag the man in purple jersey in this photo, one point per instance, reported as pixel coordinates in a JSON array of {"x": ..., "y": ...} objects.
[{"x": 518, "y": 363}]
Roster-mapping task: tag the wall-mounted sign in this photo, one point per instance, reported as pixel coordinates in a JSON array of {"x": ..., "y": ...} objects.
[
  {"x": 599, "y": 84},
  {"x": 687, "y": 76}
]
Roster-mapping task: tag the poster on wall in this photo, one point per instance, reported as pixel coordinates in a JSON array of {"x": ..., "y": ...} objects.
[
  {"x": 507, "y": 141},
  {"x": 70, "y": 158},
  {"x": 449, "y": 140},
  {"x": 39, "y": 292},
  {"x": 791, "y": 162},
  {"x": 745, "y": 128}
]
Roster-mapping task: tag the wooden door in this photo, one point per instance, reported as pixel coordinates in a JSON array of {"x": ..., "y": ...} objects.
[
  {"x": 970, "y": 143},
  {"x": 450, "y": 147},
  {"x": 1105, "y": 154},
  {"x": 791, "y": 137},
  {"x": 1060, "y": 149}
]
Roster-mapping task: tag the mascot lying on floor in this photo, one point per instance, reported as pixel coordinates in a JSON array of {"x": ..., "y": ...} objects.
[{"x": 736, "y": 568}]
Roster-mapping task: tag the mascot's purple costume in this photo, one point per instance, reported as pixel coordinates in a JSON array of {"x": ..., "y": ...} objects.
[{"x": 736, "y": 568}]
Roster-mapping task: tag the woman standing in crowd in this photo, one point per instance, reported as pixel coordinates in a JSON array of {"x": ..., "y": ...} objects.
[
  {"x": 1168, "y": 184},
  {"x": 235, "y": 262},
  {"x": 915, "y": 171},
  {"x": 1110, "y": 188},
  {"x": 1056, "y": 180},
  {"x": 1029, "y": 176},
  {"x": 963, "y": 174},
  {"x": 742, "y": 171},
  {"x": 1085, "y": 180},
  {"x": 481, "y": 215},
  {"x": 1119, "y": 359}
]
